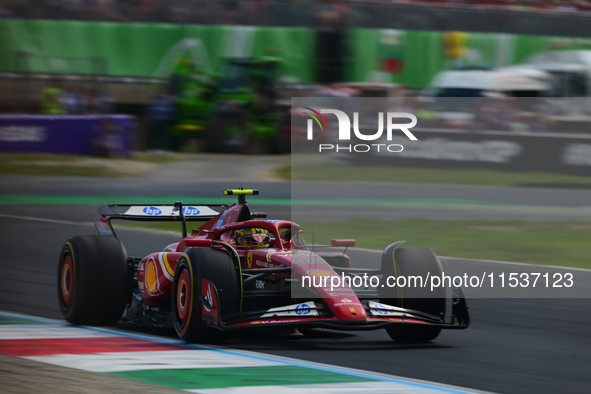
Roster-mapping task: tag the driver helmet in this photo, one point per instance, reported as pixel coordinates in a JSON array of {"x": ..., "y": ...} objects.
[{"x": 253, "y": 236}]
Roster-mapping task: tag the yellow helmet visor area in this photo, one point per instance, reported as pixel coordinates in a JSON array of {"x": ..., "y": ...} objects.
[{"x": 253, "y": 237}]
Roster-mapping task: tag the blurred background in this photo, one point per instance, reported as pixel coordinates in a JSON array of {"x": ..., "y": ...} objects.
[
  {"x": 501, "y": 170},
  {"x": 217, "y": 76}
]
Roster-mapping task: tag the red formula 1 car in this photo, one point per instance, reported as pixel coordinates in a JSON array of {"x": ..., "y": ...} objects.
[{"x": 240, "y": 271}]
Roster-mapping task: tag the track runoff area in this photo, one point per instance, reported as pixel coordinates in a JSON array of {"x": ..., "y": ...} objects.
[{"x": 178, "y": 365}]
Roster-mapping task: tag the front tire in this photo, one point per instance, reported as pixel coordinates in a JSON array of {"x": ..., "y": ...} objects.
[
  {"x": 93, "y": 280},
  {"x": 204, "y": 278},
  {"x": 407, "y": 262}
]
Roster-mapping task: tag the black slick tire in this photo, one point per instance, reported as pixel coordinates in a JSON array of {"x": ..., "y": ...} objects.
[
  {"x": 194, "y": 267},
  {"x": 407, "y": 262},
  {"x": 93, "y": 280}
]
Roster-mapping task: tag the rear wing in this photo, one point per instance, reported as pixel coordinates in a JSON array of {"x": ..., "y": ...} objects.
[
  {"x": 170, "y": 212},
  {"x": 157, "y": 213}
]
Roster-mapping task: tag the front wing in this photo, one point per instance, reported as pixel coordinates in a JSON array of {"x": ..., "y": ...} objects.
[{"x": 379, "y": 316}]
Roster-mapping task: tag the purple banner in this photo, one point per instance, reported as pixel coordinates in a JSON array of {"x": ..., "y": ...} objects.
[{"x": 67, "y": 134}]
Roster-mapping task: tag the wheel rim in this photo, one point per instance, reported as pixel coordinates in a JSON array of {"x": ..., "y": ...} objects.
[
  {"x": 67, "y": 280},
  {"x": 183, "y": 296}
]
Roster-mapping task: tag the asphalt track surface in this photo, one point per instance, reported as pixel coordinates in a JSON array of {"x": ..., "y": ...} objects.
[{"x": 512, "y": 346}]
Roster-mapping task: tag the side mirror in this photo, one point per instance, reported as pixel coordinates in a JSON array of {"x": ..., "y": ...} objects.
[{"x": 201, "y": 243}]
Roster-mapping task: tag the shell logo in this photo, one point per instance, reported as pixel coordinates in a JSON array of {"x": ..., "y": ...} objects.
[
  {"x": 151, "y": 278},
  {"x": 320, "y": 272}
]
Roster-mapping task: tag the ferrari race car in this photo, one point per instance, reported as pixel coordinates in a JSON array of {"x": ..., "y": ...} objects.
[{"x": 239, "y": 271}]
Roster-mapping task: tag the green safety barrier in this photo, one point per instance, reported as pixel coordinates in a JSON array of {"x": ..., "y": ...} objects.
[
  {"x": 142, "y": 49},
  {"x": 409, "y": 57}
]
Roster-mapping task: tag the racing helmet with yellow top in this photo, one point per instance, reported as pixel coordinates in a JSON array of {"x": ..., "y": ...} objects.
[{"x": 254, "y": 237}]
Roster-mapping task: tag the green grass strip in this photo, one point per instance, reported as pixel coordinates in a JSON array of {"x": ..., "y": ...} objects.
[
  {"x": 455, "y": 204},
  {"x": 547, "y": 243},
  {"x": 72, "y": 165},
  {"x": 336, "y": 173},
  {"x": 561, "y": 243},
  {"x": 100, "y": 200},
  {"x": 208, "y": 378}
]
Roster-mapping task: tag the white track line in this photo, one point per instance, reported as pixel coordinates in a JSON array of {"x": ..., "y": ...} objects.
[
  {"x": 488, "y": 261},
  {"x": 359, "y": 249},
  {"x": 35, "y": 219},
  {"x": 133, "y": 361},
  {"x": 396, "y": 384}
]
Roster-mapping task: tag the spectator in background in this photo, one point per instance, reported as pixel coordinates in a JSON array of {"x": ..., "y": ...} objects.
[
  {"x": 9, "y": 10},
  {"x": 51, "y": 100},
  {"x": 230, "y": 13},
  {"x": 332, "y": 14},
  {"x": 542, "y": 115},
  {"x": 110, "y": 10},
  {"x": 162, "y": 115},
  {"x": 179, "y": 11},
  {"x": 146, "y": 10},
  {"x": 106, "y": 103},
  {"x": 100, "y": 102},
  {"x": 81, "y": 9},
  {"x": 495, "y": 112},
  {"x": 247, "y": 11},
  {"x": 73, "y": 100},
  {"x": 258, "y": 12},
  {"x": 108, "y": 139},
  {"x": 488, "y": 114}
]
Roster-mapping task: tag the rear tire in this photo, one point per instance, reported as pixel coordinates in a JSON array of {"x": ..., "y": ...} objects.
[
  {"x": 405, "y": 262},
  {"x": 195, "y": 266},
  {"x": 93, "y": 280}
]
